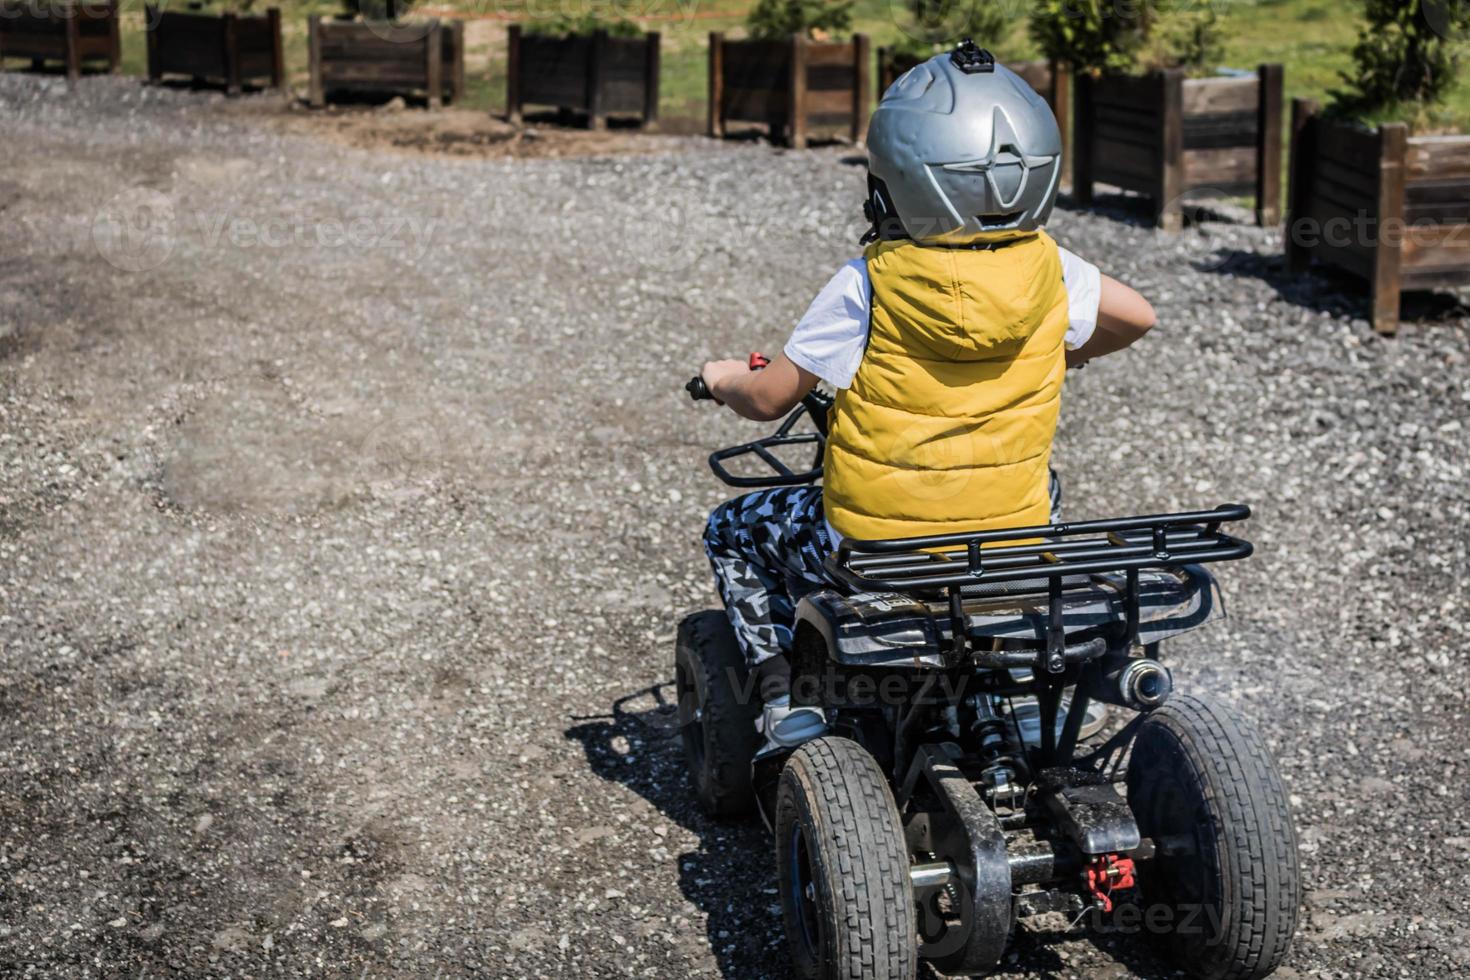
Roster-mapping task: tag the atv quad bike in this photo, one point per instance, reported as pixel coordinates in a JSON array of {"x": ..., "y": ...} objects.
[{"x": 959, "y": 787}]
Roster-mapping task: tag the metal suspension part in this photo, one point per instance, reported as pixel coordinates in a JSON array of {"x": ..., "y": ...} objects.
[{"x": 1002, "y": 767}]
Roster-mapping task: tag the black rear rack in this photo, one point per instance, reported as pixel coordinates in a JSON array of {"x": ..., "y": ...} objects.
[{"x": 960, "y": 564}]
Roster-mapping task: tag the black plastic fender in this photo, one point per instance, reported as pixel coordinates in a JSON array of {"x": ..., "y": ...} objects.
[
  {"x": 872, "y": 629},
  {"x": 968, "y": 835}
]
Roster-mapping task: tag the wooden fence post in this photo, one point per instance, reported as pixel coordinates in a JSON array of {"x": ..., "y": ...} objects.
[
  {"x": 230, "y": 37},
  {"x": 1169, "y": 206},
  {"x": 513, "y": 104},
  {"x": 315, "y": 95},
  {"x": 596, "y": 63},
  {"x": 796, "y": 99},
  {"x": 1268, "y": 146},
  {"x": 716, "y": 84},
  {"x": 435, "y": 64},
  {"x": 278, "y": 63},
  {"x": 114, "y": 38},
  {"x": 73, "y": 28},
  {"x": 1082, "y": 141},
  {"x": 862, "y": 94},
  {"x": 1299, "y": 187},
  {"x": 1393, "y": 146},
  {"x": 650, "y": 79},
  {"x": 150, "y": 27},
  {"x": 1061, "y": 107},
  {"x": 456, "y": 65}
]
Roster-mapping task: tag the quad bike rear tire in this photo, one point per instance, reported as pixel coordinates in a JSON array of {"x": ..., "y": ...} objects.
[
  {"x": 1204, "y": 788},
  {"x": 718, "y": 707},
  {"x": 843, "y": 865}
]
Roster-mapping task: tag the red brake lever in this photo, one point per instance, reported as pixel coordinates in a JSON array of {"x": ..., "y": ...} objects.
[{"x": 758, "y": 360}]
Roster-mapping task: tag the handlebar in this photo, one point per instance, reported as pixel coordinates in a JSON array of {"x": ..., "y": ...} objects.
[
  {"x": 815, "y": 404},
  {"x": 699, "y": 391}
]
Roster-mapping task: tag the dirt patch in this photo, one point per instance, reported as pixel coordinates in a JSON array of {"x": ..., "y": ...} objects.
[
  {"x": 339, "y": 576},
  {"x": 399, "y": 125}
]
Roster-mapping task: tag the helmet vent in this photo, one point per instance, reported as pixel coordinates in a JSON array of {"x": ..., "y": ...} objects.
[{"x": 998, "y": 221}]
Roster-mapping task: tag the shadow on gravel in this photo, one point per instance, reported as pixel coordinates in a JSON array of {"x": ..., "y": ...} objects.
[
  {"x": 731, "y": 876},
  {"x": 1328, "y": 290},
  {"x": 571, "y": 119},
  {"x": 201, "y": 85},
  {"x": 1132, "y": 209}
]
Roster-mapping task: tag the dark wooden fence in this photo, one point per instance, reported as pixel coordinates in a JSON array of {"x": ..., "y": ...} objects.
[
  {"x": 591, "y": 73},
  {"x": 1167, "y": 136},
  {"x": 73, "y": 34},
  {"x": 229, "y": 48},
  {"x": 1049, "y": 79},
  {"x": 1388, "y": 207},
  {"x": 423, "y": 58},
  {"x": 793, "y": 85}
]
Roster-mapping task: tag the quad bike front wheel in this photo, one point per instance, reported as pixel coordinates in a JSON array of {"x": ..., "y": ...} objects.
[
  {"x": 717, "y": 711},
  {"x": 1223, "y": 890},
  {"x": 843, "y": 866}
]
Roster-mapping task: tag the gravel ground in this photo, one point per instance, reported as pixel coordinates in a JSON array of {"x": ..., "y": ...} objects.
[{"x": 349, "y": 500}]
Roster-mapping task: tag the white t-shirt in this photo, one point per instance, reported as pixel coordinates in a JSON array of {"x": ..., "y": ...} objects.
[{"x": 831, "y": 337}]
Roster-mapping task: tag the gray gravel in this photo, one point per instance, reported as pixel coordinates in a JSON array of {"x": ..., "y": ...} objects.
[{"x": 337, "y": 580}]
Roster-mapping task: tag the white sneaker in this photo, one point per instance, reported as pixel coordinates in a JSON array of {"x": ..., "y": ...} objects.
[{"x": 787, "y": 727}]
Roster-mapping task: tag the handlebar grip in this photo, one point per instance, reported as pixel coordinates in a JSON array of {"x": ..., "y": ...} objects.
[{"x": 699, "y": 391}]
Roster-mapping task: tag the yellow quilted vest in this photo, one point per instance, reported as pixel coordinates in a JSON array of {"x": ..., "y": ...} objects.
[{"x": 948, "y": 425}]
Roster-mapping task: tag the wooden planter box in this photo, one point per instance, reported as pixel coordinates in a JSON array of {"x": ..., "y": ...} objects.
[
  {"x": 793, "y": 86},
  {"x": 229, "y": 48},
  {"x": 1391, "y": 208},
  {"x": 591, "y": 73},
  {"x": 424, "y": 58},
  {"x": 72, "y": 34},
  {"x": 1166, "y": 136},
  {"x": 1049, "y": 79}
]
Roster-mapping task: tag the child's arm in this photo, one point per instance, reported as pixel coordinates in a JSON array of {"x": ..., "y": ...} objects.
[
  {"x": 1122, "y": 317},
  {"x": 762, "y": 396}
]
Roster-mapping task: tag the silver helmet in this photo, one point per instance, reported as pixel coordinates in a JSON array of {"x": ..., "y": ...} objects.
[{"x": 961, "y": 150}]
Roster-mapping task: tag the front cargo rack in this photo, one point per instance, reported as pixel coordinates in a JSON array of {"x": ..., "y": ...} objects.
[{"x": 1038, "y": 559}]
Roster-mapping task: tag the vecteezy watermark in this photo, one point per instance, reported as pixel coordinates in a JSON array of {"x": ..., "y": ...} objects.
[
  {"x": 1368, "y": 231},
  {"x": 1446, "y": 18},
  {"x": 850, "y": 691},
  {"x": 136, "y": 232},
  {"x": 139, "y": 231},
  {"x": 401, "y": 452}
]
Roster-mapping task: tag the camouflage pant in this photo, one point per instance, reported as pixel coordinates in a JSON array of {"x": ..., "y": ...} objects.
[{"x": 767, "y": 550}]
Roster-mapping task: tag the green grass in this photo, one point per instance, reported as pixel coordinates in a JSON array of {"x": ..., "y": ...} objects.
[{"x": 1312, "y": 38}]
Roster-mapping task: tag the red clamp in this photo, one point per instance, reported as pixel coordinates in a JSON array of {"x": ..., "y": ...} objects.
[
  {"x": 1106, "y": 874},
  {"x": 758, "y": 361}
]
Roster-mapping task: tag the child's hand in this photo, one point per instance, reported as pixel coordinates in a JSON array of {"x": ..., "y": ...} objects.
[{"x": 717, "y": 375}]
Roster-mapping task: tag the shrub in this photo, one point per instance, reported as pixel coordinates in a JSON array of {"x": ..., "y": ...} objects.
[
  {"x": 782, "y": 18},
  {"x": 1405, "y": 61},
  {"x": 1091, "y": 35},
  {"x": 940, "y": 24},
  {"x": 376, "y": 9},
  {"x": 1184, "y": 38},
  {"x": 587, "y": 23},
  {"x": 1121, "y": 35}
]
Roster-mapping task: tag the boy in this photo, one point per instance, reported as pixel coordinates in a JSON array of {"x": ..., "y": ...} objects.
[{"x": 946, "y": 343}]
